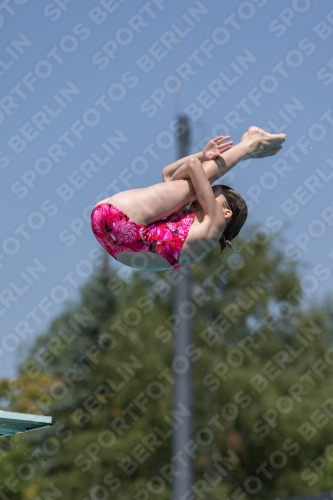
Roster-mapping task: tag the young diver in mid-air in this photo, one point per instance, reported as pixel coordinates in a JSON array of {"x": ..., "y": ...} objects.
[{"x": 152, "y": 228}]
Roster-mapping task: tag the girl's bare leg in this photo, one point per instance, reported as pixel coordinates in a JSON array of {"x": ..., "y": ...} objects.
[
  {"x": 153, "y": 203},
  {"x": 214, "y": 169},
  {"x": 255, "y": 143}
]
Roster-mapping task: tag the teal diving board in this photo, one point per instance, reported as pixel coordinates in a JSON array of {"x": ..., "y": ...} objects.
[{"x": 14, "y": 423}]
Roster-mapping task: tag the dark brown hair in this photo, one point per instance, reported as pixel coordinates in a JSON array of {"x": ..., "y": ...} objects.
[{"x": 237, "y": 205}]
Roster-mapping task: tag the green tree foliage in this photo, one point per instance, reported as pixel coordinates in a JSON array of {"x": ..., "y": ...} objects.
[{"x": 262, "y": 363}]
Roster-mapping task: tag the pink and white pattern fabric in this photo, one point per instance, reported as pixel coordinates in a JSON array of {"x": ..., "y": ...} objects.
[{"x": 116, "y": 232}]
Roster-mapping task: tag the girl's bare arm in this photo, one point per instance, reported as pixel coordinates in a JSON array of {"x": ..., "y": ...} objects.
[
  {"x": 169, "y": 170},
  {"x": 213, "y": 145},
  {"x": 194, "y": 171}
]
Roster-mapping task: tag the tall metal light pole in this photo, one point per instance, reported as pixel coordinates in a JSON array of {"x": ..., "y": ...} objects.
[{"x": 183, "y": 479}]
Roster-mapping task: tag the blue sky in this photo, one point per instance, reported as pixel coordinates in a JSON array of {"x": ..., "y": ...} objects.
[{"x": 89, "y": 94}]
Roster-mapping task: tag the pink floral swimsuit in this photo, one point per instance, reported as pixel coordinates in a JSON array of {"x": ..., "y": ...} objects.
[{"x": 116, "y": 232}]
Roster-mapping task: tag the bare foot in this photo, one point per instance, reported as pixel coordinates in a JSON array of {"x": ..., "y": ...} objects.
[{"x": 261, "y": 144}]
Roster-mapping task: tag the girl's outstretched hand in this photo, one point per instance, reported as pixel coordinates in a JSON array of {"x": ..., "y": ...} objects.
[{"x": 214, "y": 148}]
